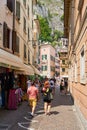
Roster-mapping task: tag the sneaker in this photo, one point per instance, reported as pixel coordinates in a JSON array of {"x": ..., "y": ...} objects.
[{"x": 31, "y": 115}]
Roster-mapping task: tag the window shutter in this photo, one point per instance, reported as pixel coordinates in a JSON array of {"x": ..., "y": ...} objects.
[
  {"x": 5, "y": 34},
  {"x": 24, "y": 1},
  {"x": 17, "y": 44},
  {"x": 80, "y": 4},
  {"x": 25, "y": 56},
  {"x": 13, "y": 41},
  {"x": 18, "y": 10},
  {"x": 28, "y": 11},
  {"x": 10, "y": 5}
]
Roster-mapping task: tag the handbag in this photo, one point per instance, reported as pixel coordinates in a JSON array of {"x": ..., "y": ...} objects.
[{"x": 51, "y": 96}]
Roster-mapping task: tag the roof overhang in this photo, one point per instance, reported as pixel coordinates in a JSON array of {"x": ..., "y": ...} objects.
[{"x": 66, "y": 17}]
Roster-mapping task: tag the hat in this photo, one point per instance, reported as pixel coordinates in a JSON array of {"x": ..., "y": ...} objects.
[{"x": 46, "y": 84}]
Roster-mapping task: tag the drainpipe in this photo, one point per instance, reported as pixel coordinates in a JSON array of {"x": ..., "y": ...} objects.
[
  {"x": 13, "y": 32},
  {"x": 13, "y": 15}
]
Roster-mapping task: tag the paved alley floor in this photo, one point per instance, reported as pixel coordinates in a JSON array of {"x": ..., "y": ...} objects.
[{"x": 63, "y": 116}]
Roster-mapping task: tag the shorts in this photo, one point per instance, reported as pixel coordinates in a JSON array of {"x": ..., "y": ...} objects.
[
  {"x": 48, "y": 101},
  {"x": 33, "y": 102}
]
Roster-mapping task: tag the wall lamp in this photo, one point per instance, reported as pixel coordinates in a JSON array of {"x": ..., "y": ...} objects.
[{"x": 34, "y": 43}]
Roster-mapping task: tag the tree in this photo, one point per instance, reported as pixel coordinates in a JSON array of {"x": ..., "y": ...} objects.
[{"x": 45, "y": 34}]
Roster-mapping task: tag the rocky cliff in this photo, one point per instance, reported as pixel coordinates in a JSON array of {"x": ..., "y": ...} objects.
[{"x": 53, "y": 10}]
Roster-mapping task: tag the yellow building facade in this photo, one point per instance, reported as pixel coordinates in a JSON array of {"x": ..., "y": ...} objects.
[{"x": 75, "y": 25}]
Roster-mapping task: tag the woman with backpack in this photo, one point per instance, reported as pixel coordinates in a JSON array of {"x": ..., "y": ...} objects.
[{"x": 47, "y": 97}]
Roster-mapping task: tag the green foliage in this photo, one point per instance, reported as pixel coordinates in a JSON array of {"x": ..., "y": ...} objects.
[
  {"x": 57, "y": 35},
  {"x": 62, "y": 18},
  {"x": 45, "y": 34}
]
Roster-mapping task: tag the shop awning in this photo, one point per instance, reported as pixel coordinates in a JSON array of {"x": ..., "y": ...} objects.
[
  {"x": 28, "y": 70},
  {"x": 9, "y": 60},
  {"x": 36, "y": 71}
]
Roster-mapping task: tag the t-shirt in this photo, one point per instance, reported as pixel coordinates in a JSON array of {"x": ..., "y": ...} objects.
[{"x": 32, "y": 92}]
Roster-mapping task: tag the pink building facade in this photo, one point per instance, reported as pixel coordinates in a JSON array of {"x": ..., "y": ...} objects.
[{"x": 47, "y": 60}]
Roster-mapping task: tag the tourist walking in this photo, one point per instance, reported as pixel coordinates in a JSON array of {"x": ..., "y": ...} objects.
[
  {"x": 62, "y": 86},
  {"x": 33, "y": 96},
  {"x": 47, "y": 97}
]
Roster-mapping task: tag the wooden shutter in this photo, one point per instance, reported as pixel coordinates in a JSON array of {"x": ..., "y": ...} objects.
[
  {"x": 18, "y": 10},
  {"x": 4, "y": 34},
  {"x": 14, "y": 41},
  {"x": 17, "y": 44},
  {"x": 10, "y": 4}
]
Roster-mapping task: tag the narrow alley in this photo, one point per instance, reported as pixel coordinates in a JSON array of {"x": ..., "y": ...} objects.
[{"x": 63, "y": 116}]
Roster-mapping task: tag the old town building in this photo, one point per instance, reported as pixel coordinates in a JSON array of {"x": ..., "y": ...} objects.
[
  {"x": 17, "y": 44},
  {"x": 47, "y": 60},
  {"x": 63, "y": 55},
  {"x": 75, "y": 26}
]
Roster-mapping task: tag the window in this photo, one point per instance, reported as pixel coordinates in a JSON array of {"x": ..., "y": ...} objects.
[
  {"x": 44, "y": 68},
  {"x": 38, "y": 61},
  {"x": 6, "y": 36},
  {"x": 52, "y": 58},
  {"x": 80, "y": 4},
  {"x": 24, "y": 2},
  {"x": 82, "y": 66},
  {"x": 28, "y": 34},
  {"x": 76, "y": 72},
  {"x": 10, "y": 5},
  {"x": 28, "y": 56},
  {"x": 63, "y": 69},
  {"x": 25, "y": 51},
  {"x": 52, "y": 68},
  {"x": 44, "y": 57},
  {"x": 18, "y": 10},
  {"x": 17, "y": 44},
  {"x": 24, "y": 24},
  {"x": 63, "y": 61},
  {"x": 28, "y": 10}
]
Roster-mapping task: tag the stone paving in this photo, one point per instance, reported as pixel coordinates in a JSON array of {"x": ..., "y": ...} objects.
[{"x": 63, "y": 116}]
